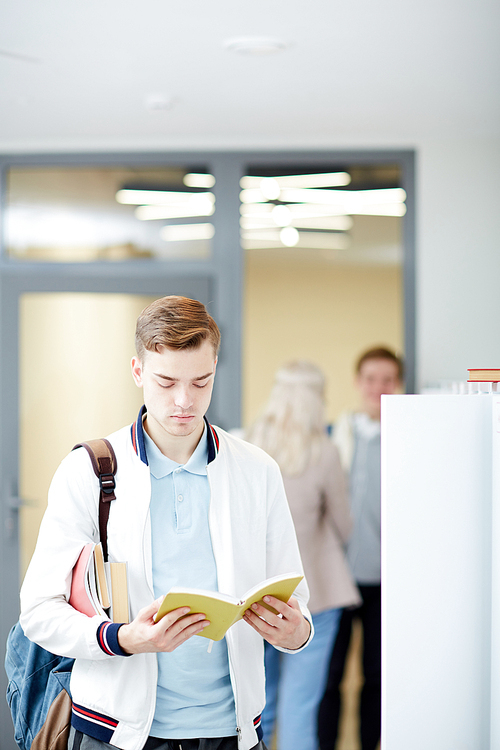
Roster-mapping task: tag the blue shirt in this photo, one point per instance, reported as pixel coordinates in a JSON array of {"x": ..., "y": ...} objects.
[{"x": 194, "y": 695}]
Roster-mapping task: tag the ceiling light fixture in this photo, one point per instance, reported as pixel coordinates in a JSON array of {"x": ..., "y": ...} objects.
[
  {"x": 158, "y": 102},
  {"x": 343, "y": 197},
  {"x": 255, "y": 45},
  {"x": 324, "y": 223},
  {"x": 318, "y": 180},
  {"x": 186, "y": 211},
  {"x": 282, "y": 216},
  {"x": 198, "y": 180},
  {"x": 270, "y": 188},
  {"x": 160, "y": 197},
  {"x": 187, "y": 232}
]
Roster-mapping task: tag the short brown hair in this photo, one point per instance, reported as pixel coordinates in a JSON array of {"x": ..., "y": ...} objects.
[
  {"x": 381, "y": 352},
  {"x": 177, "y": 323}
]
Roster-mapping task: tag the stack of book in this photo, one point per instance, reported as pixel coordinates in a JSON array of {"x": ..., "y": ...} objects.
[{"x": 98, "y": 587}]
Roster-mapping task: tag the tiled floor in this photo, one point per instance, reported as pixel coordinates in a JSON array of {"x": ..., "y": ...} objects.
[{"x": 350, "y": 688}]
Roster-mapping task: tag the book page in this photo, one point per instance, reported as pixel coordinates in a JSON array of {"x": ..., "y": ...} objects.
[
  {"x": 220, "y": 609},
  {"x": 83, "y": 593},
  {"x": 102, "y": 586},
  {"x": 281, "y": 587}
]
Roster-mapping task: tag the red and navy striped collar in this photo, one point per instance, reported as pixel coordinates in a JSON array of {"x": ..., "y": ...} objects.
[{"x": 137, "y": 435}]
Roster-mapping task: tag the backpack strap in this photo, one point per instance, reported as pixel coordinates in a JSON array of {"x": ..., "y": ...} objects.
[{"x": 104, "y": 463}]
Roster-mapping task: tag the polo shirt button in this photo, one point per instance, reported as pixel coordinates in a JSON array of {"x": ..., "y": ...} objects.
[{"x": 180, "y": 498}]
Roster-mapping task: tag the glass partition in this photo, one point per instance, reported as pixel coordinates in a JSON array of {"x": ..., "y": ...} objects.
[
  {"x": 82, "y": 214},
  {"x": 323, "y": 271}
]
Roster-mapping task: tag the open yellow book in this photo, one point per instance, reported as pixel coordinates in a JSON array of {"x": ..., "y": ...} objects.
[{"x": 223, "y": 610}]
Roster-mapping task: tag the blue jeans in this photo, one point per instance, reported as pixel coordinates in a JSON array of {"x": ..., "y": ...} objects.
[
  {"x": 369, "y": 612},
  {"x": 295, "y": 685}
]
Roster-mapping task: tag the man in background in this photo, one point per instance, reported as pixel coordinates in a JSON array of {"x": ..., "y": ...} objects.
[{"x": 357, "y": 435}]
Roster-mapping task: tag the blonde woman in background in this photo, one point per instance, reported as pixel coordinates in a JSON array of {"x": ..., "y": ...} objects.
[{"x": 292, "y": 430}]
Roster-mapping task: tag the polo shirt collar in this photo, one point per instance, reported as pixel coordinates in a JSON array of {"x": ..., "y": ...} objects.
[
  {"x": 161, "y": 466},
  {"x": 137, "y": 434}
]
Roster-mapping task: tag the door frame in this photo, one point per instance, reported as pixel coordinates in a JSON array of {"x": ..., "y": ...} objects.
[{"x": 221, "y": 277}]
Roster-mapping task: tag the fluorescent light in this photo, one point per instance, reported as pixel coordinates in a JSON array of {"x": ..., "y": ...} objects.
[
  {"x": 282, "y": 216},
  {"x": 252, "y": 195},
  {"x": 269, "y": 188},
  {"x": 343, "y": 197},
  {"x": 386, "y": 209},
  {"x": 198, "y": 180},
  {"x": 319, "y": 180},
  {"x": 326, "y": 223},
  {"x": 306, "y": 202},
  {"x": 308, "y": 240},
  {"x": 187, "y": 232},
  {"x": 159, "y": 197},
  {"x": 298, "y": 210},
  {"x": 154, "y": 213}
]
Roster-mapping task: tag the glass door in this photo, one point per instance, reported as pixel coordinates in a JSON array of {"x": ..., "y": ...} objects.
[
  {"x": 75, "y": 384},
  {"x": 64, "y": 378}
]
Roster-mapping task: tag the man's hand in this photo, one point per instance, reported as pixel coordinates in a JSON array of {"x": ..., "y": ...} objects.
[
  {"x": 144, "y": 635},
  {"x": 288, "y": 629}
]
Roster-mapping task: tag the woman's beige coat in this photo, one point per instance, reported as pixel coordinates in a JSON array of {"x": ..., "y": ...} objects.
[{"x": 320, "y": 509}]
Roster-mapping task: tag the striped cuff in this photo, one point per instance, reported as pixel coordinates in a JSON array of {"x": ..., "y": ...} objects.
[
  {"x": 107, "y": 638},
  {"x": 96, "y": 725}
]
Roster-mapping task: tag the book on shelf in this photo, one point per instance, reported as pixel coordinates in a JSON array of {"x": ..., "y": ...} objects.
[
  {"x": 484, "y": 375},
  {"x": 99, "y": 588},
  {"x": 223, "y": 610}
]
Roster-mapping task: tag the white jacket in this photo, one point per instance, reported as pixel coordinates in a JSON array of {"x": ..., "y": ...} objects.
[{"x": 252, "y": 537}]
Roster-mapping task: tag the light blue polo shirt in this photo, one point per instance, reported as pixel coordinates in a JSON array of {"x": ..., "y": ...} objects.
[{"x": 194, "y": 696}]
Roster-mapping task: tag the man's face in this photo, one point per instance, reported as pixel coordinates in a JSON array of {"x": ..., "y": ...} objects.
[
  {"x": 376, "y": 377},
  {"x": 177, "y": 387}
]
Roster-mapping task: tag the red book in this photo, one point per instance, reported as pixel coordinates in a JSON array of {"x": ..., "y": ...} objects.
[
  {"x": 83, "y": 595},
  {"x": 484, "y": 375}
]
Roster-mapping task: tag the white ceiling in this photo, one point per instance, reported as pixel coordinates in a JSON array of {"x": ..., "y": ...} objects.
[{"x": 385, "y": 72}]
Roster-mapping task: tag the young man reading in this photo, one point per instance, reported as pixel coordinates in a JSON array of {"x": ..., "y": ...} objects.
[{"x": 196, "y": 508}]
